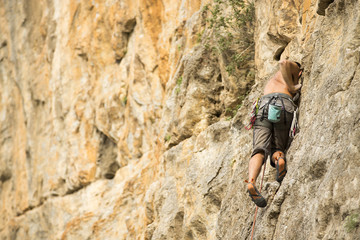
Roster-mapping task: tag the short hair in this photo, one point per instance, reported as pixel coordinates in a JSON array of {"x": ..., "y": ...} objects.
[{"x": 299, "y": 65}]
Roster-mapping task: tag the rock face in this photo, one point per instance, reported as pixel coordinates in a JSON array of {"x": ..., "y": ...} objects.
[{"x": 122, "y": 119}]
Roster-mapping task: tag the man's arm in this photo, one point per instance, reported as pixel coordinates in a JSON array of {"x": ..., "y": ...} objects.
[{"x": 286, "y": 69}]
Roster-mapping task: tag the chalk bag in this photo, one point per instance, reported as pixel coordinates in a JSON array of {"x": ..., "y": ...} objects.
[{"x": 274, "y": 113}]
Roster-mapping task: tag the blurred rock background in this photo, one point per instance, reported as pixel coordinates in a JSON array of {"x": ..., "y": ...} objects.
[{"x": 124, "y": 119}]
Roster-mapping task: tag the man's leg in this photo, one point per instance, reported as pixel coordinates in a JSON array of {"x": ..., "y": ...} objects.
[
  {"x": 281, "y": 142},
  {"x": 254, "y": 170},
  {"x": 261, "y": 143},
  {"x": 255, "y": 166},
  {"x": 279, "y": 156}
]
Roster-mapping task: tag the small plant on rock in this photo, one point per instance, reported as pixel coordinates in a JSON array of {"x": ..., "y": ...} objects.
[
  {"x": 167, "y": 138},
  {"x": 178, "y": 84},
  {"x": 352, "y": 222}
]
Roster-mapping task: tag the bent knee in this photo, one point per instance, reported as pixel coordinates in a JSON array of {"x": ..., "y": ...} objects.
[{"x": 276, "y": 155}]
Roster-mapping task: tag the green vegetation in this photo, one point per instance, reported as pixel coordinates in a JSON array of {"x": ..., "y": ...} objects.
[
  {"x": 177, "y": 90},
  {"x": 178, "y": 85},
  {"x": 352, "y": 222},
  {"x": 199, "y": 36},
  {"x": 231, "y": 112},
  {"x": 233, "y": 33},
  {"x": 167, "y": 138},
  {"x": 124, "y": 100},
  {"x": 179, "y": 81}
]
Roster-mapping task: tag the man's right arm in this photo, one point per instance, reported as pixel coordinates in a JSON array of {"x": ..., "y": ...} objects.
[{"x": 285, "y": 69}]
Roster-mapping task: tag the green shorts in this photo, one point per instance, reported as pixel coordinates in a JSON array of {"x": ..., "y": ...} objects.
[{"x": 270, "y": 137}]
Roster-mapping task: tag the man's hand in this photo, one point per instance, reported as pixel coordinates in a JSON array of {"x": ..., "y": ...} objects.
[{"x": 297, "y": 87}]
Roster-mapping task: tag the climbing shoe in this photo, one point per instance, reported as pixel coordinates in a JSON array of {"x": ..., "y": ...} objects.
[
  {"x": 256, "y": 197},
  {"x": 280, "y": 174}
]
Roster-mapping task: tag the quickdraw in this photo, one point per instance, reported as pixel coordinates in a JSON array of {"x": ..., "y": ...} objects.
[
  {"x": 255, "y": 109},
  {"x": 294, "y": 125}
]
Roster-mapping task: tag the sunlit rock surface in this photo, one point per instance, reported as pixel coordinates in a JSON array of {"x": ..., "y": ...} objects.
[{"x": 118, "y": 120}]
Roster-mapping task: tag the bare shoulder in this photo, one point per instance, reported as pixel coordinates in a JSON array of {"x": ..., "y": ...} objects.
[{"x": 276, "y": 84}]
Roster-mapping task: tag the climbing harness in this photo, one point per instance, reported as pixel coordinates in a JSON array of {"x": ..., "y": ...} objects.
[
  {"x": 253, "y": 226},
  {"x": 274, "y": 112},
  {"x": 255, "y": 109}
]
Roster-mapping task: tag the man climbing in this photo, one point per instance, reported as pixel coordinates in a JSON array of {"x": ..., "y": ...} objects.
[{"x": 271, "y": 127}]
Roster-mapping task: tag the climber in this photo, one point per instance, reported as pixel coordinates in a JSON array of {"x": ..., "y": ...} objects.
[{"x": 272, "y": 123}]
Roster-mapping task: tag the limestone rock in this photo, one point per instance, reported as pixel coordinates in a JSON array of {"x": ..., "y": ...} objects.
[{"x": 122, "y": 120}]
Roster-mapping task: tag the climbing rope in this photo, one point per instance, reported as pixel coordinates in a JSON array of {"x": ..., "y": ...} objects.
[{"x": 253, "y": 226}]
